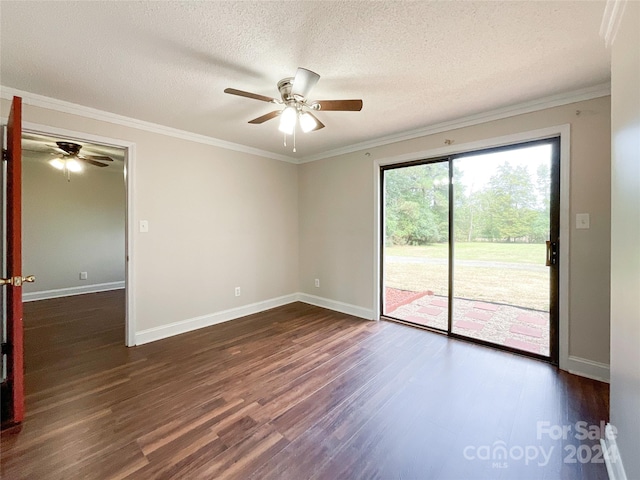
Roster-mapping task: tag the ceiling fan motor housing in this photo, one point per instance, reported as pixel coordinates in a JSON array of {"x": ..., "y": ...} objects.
[
  {"x": 284, "y": 87},
  {"x": 69, "y": 147}
]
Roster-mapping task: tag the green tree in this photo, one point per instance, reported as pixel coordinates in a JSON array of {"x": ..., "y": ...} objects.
[
  {"x": 508, "y": 204},
  {"x": 416, "y": 202},
  {"x": 540, "y": 230}
]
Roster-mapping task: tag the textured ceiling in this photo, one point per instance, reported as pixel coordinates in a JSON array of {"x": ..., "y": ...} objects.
[{"x": 414, "y": 64}]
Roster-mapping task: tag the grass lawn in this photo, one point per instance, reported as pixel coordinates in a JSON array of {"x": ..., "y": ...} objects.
[
  {"x": 534, "y": 253},
  {"x": 523, "y": 288}
]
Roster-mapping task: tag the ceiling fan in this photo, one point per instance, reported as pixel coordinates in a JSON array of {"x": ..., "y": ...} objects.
[
  {"x": 297, "y": 107},
  {"x": 69, "y": 158},
  {"x": 72, "y": 150}
]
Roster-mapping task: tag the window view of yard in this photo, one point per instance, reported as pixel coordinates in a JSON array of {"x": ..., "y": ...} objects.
[
  {"x": 501, "y": 220},
  {"x": 509, "y": 273}
]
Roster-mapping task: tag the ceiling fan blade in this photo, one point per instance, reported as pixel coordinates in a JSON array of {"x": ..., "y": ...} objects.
[
  {"x": 303, "y": 82},
  {"x": 266, "y": 117},
  {"x": 100, "y": 158},
  {"x": 93, "y": 162},
  {"x": 339, "y": 105},
  {"x": 318, "y": 122},
  {"x": 255, "y": 96}
]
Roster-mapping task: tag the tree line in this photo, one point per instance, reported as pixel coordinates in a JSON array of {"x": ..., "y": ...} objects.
[{"x": 510, "y": 207}]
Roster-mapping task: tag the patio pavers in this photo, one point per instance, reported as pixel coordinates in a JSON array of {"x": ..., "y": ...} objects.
[
  {"x": 509, "y": 325},
  {"x": 533, "y": 319},
  {"x": 418, "y": 320},
  {"x": 528, "y": 331},
  {"x": 430, "y": 311},
  {"x": 478, "y": 315},
  {"x": 440, "y": 302},
  {"x": 396, "y": 298},
  {"x": 468, "y": 325},
  {"x": 485, "y": 306},
  {"x": 521, "y": 345}
]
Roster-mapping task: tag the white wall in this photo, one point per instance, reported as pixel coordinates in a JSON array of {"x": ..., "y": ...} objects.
[
  {"x": 625, "y": 239},
  {"x": 337, "y": 218},
  {"x": 220, "y": 219},
  {"x": 72, "y": 227},
  {"x": 217, "y": 219}
]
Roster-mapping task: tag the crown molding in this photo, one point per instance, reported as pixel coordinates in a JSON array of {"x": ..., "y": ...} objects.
[
  {"x": 41, "y": 101},
  {"x": 74, "y": 109},
  {"x": 611, "y": 18},
  {"x": 588, "y": 93}
]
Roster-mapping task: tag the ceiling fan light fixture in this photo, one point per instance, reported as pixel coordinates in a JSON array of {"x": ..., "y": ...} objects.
[
  {"x": 73, "y": 165},
  {"x": 297, "y": 107},
  {"x": 57, "y": 163},
  {"x": 307, "y": 122},
  {"x": 288, "y": 120}
]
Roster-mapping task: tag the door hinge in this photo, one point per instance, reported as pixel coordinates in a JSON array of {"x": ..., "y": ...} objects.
[
  {"x": 5, "y": 154},
  {"x": 5, "y": 348}
]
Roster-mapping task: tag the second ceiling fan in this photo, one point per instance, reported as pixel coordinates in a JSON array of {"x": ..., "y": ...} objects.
[{"x": 298, "y": 109}]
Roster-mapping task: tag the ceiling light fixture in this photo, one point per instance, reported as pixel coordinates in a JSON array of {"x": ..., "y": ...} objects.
[
  {"x": 57, "y": 163},
  {"x": 290, "y": 117},
  {"x": 288, "y": 120},
  {"x": 73, "y": 165},
  {"x": 67, "y": 165},
  {"x": 294, "y": 92},
  {"x": 307, "y": 122}
]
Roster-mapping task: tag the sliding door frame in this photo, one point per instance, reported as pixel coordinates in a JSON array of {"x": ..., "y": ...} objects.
[
  {"x": 381, "y": 235},
  {"x": 509, "y": 141}
]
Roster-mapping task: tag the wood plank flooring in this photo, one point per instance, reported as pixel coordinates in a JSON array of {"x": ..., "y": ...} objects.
[{"x": 297, "y": 392}]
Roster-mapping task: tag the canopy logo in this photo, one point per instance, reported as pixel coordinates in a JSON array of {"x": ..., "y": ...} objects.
[
  {"x": 580, "y": 440},
  {"x": 499, "y": 454}
]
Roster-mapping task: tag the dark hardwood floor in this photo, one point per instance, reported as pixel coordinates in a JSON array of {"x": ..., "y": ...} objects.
[{"x": 297, "y": 392}]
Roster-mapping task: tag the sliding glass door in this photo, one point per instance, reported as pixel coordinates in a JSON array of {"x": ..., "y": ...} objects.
[
  {"x": 470, "y": 245},
  {"x": 416, "y": 244}
]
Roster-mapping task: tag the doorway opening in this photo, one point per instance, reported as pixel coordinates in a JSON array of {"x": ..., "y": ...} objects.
[
  {"x": 469, "y": 245},
  {"x": 75, "y": 235}
]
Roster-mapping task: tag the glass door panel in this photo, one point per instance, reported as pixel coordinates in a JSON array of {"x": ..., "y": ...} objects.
[
  {"x": 502, "y": 219},
  {"x": 416, "y": 244}
]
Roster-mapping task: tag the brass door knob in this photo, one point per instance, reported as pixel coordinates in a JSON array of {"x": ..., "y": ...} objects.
[{"x": 17, "y": 281}]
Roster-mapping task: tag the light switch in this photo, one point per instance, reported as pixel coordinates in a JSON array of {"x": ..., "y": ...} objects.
[
  {"x": 144, "y": 226},
  {"x": 582, "y": 220}
]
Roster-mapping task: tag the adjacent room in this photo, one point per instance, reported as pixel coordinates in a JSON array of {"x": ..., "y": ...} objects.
[{"x": 323, "y": 240}]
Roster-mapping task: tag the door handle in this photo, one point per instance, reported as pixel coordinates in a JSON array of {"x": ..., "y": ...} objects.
[
  {"x": 17, "y": 281},
  {"x": 552, "y": 253}
]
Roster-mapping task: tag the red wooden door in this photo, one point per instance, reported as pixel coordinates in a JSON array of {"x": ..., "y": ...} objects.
[{"x": 12, "y": 395}]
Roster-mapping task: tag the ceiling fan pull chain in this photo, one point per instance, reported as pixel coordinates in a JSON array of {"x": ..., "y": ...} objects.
[
  {"x": 294, "y": 139},
  {"x": 285, "y": 139}
]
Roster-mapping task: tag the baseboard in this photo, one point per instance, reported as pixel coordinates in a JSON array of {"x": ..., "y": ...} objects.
[
  {"x": 587, "y": 368},
  {"x": 184, "y": 326},
  {"x": 336, "y": 306},
  {"x": 612, "y": 459},
  {"x": 67, "y": 292}
]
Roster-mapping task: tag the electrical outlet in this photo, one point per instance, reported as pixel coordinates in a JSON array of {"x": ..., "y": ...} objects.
[
  {"x": 83, "y": 275},
  {"x": 317, "y": 283},
  {"x": 237, "y": 291}
]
